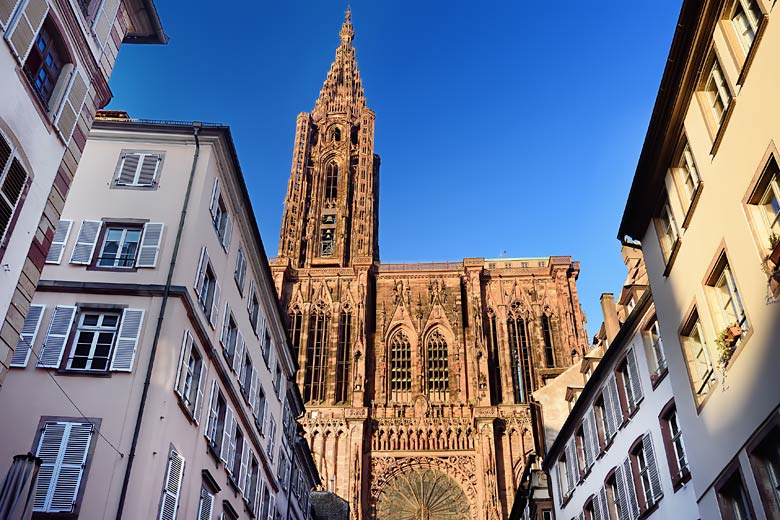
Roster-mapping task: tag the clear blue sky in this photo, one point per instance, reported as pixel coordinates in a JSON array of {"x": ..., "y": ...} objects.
[{"x": 502, "y": 125}]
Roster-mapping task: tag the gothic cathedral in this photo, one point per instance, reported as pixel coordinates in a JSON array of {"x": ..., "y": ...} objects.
[{"x": 417, "y": 377}]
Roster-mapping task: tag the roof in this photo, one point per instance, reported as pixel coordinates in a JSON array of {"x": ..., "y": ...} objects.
[{"x": 147, "y": 24}]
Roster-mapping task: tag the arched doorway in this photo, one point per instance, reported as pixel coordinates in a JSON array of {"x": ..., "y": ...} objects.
[{"x": 422, "y": 494}]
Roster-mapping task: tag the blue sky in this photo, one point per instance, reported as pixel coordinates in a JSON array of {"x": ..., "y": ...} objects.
[{"x": 502, "y": 125}]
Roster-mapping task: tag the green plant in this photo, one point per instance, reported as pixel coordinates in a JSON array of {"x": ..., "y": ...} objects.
[
  {"x": 724, "y": 348},
  {"x": 774, "y": 239}
]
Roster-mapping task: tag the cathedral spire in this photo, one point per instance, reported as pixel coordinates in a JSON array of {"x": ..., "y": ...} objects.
[{"x": 342, "y": 92}]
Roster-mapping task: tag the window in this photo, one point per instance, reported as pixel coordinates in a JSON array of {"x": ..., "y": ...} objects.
[
  {"x": 271, "y": 438},
  {"x": 612, "y": 495},
  {"x": 438, "y": 378},
  {"x": 267, "y": 348},
  {"x": 697, "y": 358},
  {"x": 667, "y": 231},
  {"x": 218, "y": 420},
  {"x": 120, "y": 246},
  {"x": 13, "y": 181},
  {"x": 253, "y": 481},
  {"x": 655, "y": 348},
  {"x": 725, "y": 298},
  {"x": 645, "y": 473},
  {"x": 590, "y": 439},
  {"x": 245, "y": 377},
  {"x": 138, "y": 169},
  {"x": 326, "y": 245},
  {"x": 190, "y": 376},
  {"x": 717, "y": 92},
  {"x": 207, "y": 288},
  {"x": 733, "y": 498},
  {"x": 223, "y": 224},
  {"x": 612, "y": 413},
  {"x": 687, "y": 175},
  {"x": 259, "y": 409},
  {"x": 45, "y": 62},
  {"x": 331, "y": 181},
  {"x": 521, "y": 358},
  {"x": 493, "y": 357},
  {"x": 230, "y": 339},
  {"x": 746, "y": 17},
  {"x": 765, "y": 460},
  {"x": 627, "y": 500},
  {"x": 549, "y": 354},
  {"x": 568, "y": 470},
  {"x": 674, "y": 446},
  {"x": 316, "y": 356},
  {"x": 296, "y": 323},
  {"x": 205, "y": 504},
  {"x": 253, "y": 307},
  {"x": 240, "y": 273},
  {"x": 283, "y": 469},
  {"x": 266, "y": 501},
  {"x": 101, "y": 336},
  {"x": 343, "y": 357},
  {"x": 400, "y": 366},
  {"x": 234, "y": 456},
  {"x": 278, "y": 380},
  {"x": 632, "y": 386},
  {"x": 764, "y": 203},
  {"x": 64, "y": 448}
]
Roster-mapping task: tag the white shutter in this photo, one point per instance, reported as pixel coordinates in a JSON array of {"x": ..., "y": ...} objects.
[
  {"x": 253, "y": 388},
  {"x": 652, "y": 467},
  {"x": 587, "y": 435},
  {"x": 128, "y": 169},
  {"x": 147, "y": 174},
  {"x": 54, "y": 256},
  {"x": 85, "y": 242},
  {"x": 63, "y": 447},
  {"x": 631, "y": 508},
  {"x": 595, "y": 446},
  {"x": 612, "y": 410},
  {"x": 230, "y": 464},
  {"x": 150, "y": 244},
  {"x": 172, "y": 487},
  {"x": 600, "y": 505},
  {"x": 238, "y": 354},
  {"x": 228, "y": 232},
  {"x": 32, "y": 323},
  {"x": 56, "y": 337},
  {"x": 243, "y": 470},
  {"x": 201, "y": 272},
  {"x": 572, "y": 471},
  {"x": 71, "y": 104},
  {"x": 184, "y": 357},
  {"x": 214, "y": 199},
  {"x": 249, "y": 295},
  {"x": 226, "y": 432},
  {"x": 263, "y": 417},
  {"x": 272, "y": 507},
  {"x": 21, "y": 36},
  {"x": 225, "y": 324},
  {"x": 127, "y": 340},
  {"x": 104, "y": 20},
  {"x": 207, "y": 430},
  {"x": 199, "y": 395},
  {"x": 7, "y": 8},
  {"x": 271, "y": 435},
  {"x": 206, "y": 505},
  {"x": 215, "y": 304},
  {"x": 633, "y": 373}
]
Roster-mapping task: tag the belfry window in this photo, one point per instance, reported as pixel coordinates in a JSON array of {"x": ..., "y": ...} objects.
[
  {"x": 335, "y": 134},
  {"x": 326, "y": 245},
  {"x": 437, "y": 367},
  {"x": 316, "y": 357},
  {"x": 331, "y": 181},
  {"x": 493, "y": 358},
  {"x": 400, "y": 365},
  {"x": 343, "y": 356},
  {"x": 296, "y": 320},
  {"x": 521, "y": 358},
  {"x": 549, "y": 355}
]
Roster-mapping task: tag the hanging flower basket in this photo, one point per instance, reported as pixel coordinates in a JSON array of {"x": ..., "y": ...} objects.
[{"x": 725, "y": 342}]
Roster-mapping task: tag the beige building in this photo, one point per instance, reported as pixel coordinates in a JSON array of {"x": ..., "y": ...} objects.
[
  {"x": 704, "y": 203},
  {"x": 55, "y": 61},
  {"x": 153, "y": 373}
]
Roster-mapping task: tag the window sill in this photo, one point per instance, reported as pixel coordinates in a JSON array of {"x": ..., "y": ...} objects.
[
  {"x": 89, "y": 373},
  {"x": 692, "y": 206},
  {"x": 185, "y": 409},
  {"x": 722, "y": 129},
  {"x": 659, "y": 376},
  {"x": 212, "y": 450},
  {"x": 746, "y": 335},
  {"x": 650, "y": 510},
  {"x": 752, "y": 52},
  {"x": 39, "y": 515},
  {"x": 680, "y": 479},
  {"x": 93, "y": 267},
  {"x": 672, "y": 257}
]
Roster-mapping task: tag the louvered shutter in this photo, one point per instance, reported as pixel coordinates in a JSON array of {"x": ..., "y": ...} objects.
[
  {"x": 7, "y": 8},
  {"x": 242, "y": 472},
  {"x": 150, "y": 244},
  {"x": 128, "y": 169},
  {"x": 206, "y": 505},
  {"x": 199, "y": 395},
  {"x": 249, "y": 293},
  {"x": 633, "y": 372},
  {"x": 48, "y": 451},
  {"x": 612, "y": 405},
  {"x": 63, "y": 447},
  {"x": 201, "y": 272},
  {"x": 56, "y": 337},
  {"x": 263, "y": 416},
  {"x": 54, "y": 256},
  {"x": 214, "y": 199},
  {"x": 571, "y": 464},
  {"x": 213, "y": 399},
  {"x": 622, "y": 501},
  {"x": 226, "y": 435},
  {"x": 228, "y": 232},
  {"x": 272, "y": 508},
  {"x": 147, "y": 175},
  {"x": 231, "y": 465},
  {"x": 127, "y": 340},
  {"x": 225, "y": 325},
  {"x": 652, "y": 467},
  {"x": 215, "y": 304},
  {"x": 595, "y": 447},
  {"x": 71, "y": 104},
  {"x": 184, "y": 358},
  {"x": 21, "y": 36},
  {"x": 32, "y": 323},
  {"x": 587, "y": 445},
  {"x": 631, "y": 500},
  {"x": 271, "y": 435},
  {"x": 172, "y": 486},
  {"x": 238, "y": 356},
  {"x": 85, "y": 242},
  {"x": 105, "y": 20},
  {"x": 601, "y": 505},
  {"x": 253, "y": 388}
]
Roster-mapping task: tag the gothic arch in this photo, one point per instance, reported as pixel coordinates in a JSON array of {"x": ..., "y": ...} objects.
[
  {"x": 400, "y": 345},
  {"x": 315, "y": 383},
  {"x": 437, "y": 342}
]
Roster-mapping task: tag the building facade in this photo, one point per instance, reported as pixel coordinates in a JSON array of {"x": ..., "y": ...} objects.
[
  {"x": 620, "y": 453},
  {"x": 416, "y": 377},
  {"x": 704, "y": 203},
  {"x": 56, "y": 58},
  {"x": 153, "y": 374}
]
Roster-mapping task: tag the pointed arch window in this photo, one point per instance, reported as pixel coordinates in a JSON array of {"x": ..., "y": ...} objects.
[
  {"x": 549, "y": 354},
  {"x": 520, "y": 350},
  {"x": 493, "y": 357},
  {"x": 331, "y": 181},
  {"x": 343, "y": 356},
  {"x": 400, "y": 366},
  {"x": 296, "y": 321},
  {"x": 316, "y": 357},
  {"x": 437, "y": 364}
]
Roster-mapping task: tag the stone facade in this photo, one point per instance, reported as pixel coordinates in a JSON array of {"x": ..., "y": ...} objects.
[{"x": 416, "y": 377}]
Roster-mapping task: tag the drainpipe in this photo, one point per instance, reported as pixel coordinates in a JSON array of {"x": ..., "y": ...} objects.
[{"x": 196, "y": 126}]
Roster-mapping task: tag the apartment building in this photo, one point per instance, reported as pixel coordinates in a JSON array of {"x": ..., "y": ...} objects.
[
  {"x": 620, "y": 453},
  {"x": 56, "y": 57},
  {"x": 153, "y": 373},
  {"x": 704, "y": 203}
]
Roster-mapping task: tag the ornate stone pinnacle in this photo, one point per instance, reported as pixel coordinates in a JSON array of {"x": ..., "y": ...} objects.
[{"x": 346, "y": 33}]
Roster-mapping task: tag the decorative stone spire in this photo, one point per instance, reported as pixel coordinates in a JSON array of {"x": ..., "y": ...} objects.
[{"x": 342, "y": 92}]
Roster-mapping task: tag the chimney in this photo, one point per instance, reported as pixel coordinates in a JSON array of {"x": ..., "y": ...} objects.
[{"x": 609, "y": 310}]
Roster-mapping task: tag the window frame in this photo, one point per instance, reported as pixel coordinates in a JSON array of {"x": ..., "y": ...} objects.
[
  {"x": 653, "y": 341},
  {"x": 51, "y": 101},
  {"x": 142, "y": 155},
  {"x": 704, "y": 384},
  {"x": 100, "y": 246},
  {"x": 768, "y": 433},
  {"x": 680, "y": 474},
  {"x": 73, "y": 339},
  {"x": 733, "y": 476}
]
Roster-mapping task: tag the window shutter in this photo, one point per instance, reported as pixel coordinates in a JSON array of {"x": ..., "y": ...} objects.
[
  {"x": 147, "y": 175},
  {"x": 652, "y": 467},
  {"x": 271, "y": 435},
  {"x": 184, "y": 357},
  {"x": 572, "y": 473},
  {"x": 71, "y": 105},
  {"x": 54, "y": 256},
  {"x": 128, "y": 169},
  {"x": 253, "y": 388},
  {"x": 595, "y": 447},
  {"x": 32, "y": 323},
  {"x": 226, "y": 435},
  {"x": 56, "y": 336},
  {"x": 587, "y": 445},
  {"x": 225, "y": 325},
  {"x": 214, "y": 199},
  {"x": 7, "y": 8},
  {"x": 201, "y": 272},
  {"x": 104, "y": 20},
  {"x": 48, "y": 450},
  {"x": 633, "y": 372},
  {"x": 172, "y": 486},
  {"x": 631, "y": 500},
  {"x": 215, "y": 304},
  {"x": 601, "y": 505},
  {"x": 238, "y": 355},
  {"x": 249, "y": 293},
  {"x": 127, "y": 340},
  {"x": 263, "y": 416},
  {"x": 85, "y": 242},
  {"x": 206, "y": 505},
  {"x": 612, "y": 409},
  {"x": 228, "y": 233},
  {"x": 272, "y": 508},
  {"x": 63, "y": 448},
  {"x": 212, "y": 411},
  {"x": 150, "y": 244},
  {"x": 22, "y": 35},
  {"x": 231, "y": 465},
  {"x": 622, "y": 500},
  {"x": 242, "y": 472},
  {"x": 199, "y": 396}
]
